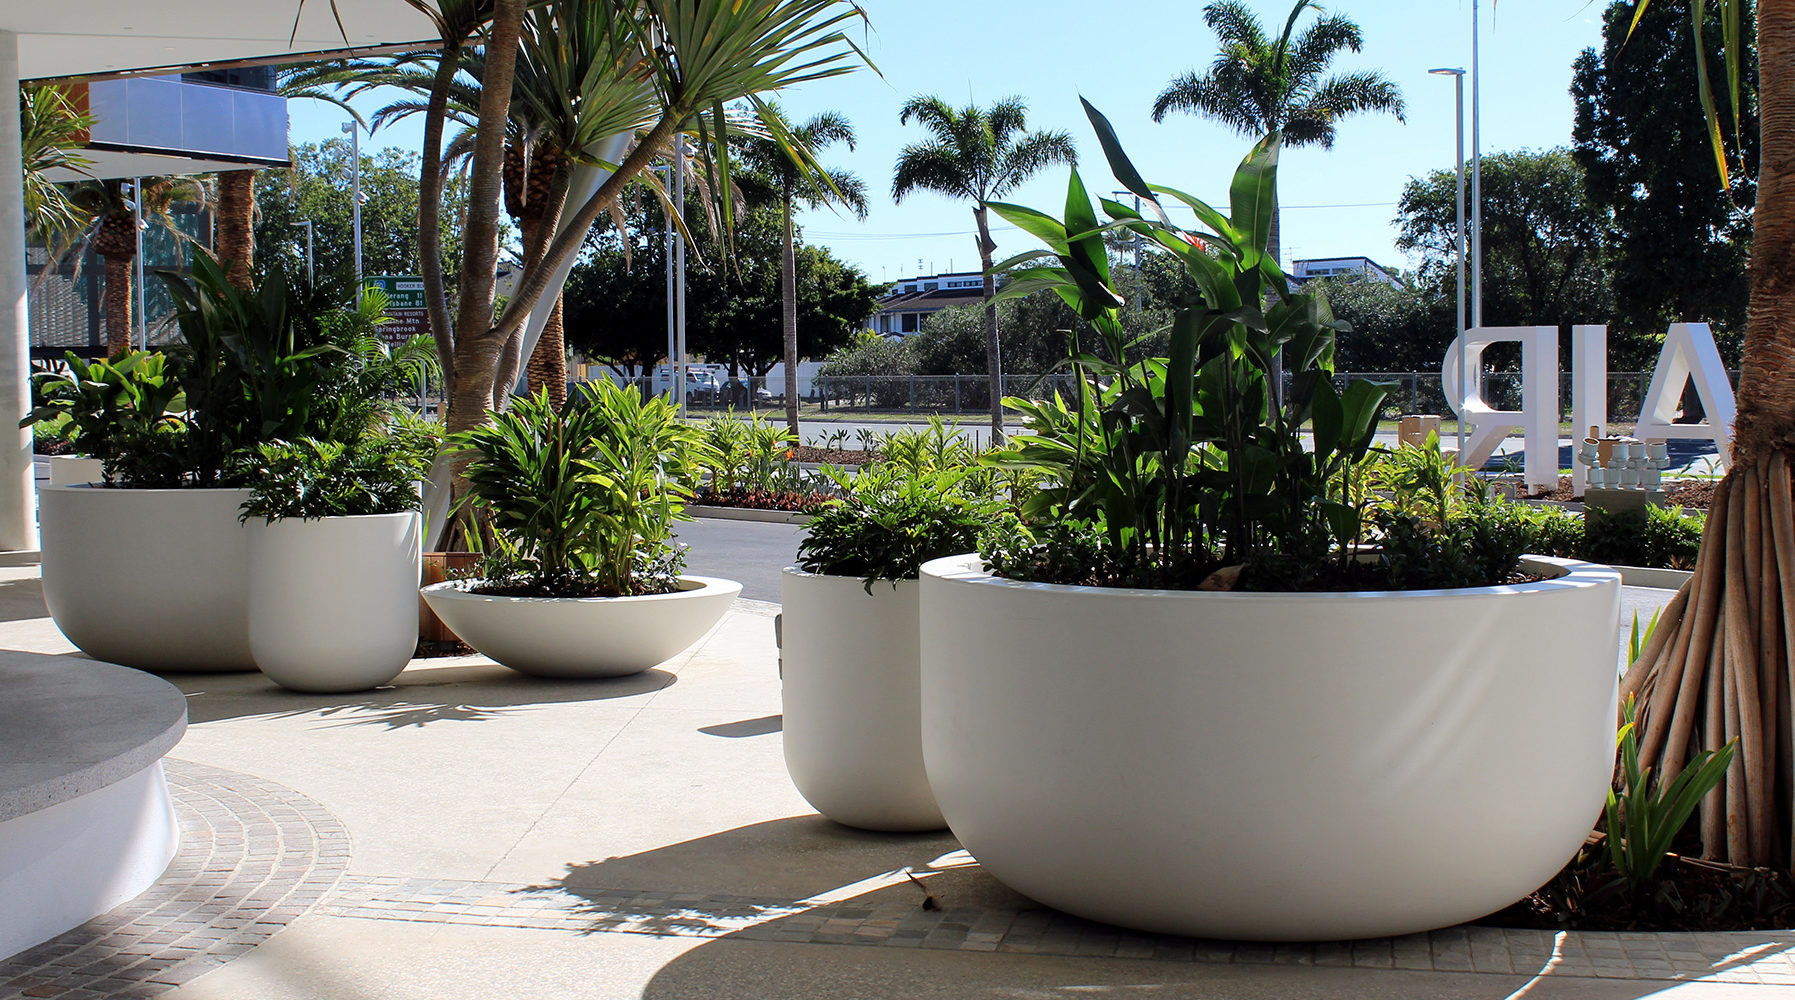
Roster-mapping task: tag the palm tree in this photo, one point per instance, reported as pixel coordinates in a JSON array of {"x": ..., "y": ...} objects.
[
  {"x": 1257, "y": 87},
  {"x": 792, "y": 176},
  {"x": 233, "y": 224},
  {"x": 113, "y": 236},
  {"x": 1718, "y": 665},
  {"x": 52, "y": 131},
  {"x": 978, "y": 155}
]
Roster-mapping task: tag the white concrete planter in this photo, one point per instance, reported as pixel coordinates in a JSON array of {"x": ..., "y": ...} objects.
[
  {"x": 152, "y": 579},
  {"x": 853, "y": 701},
  {"x": 582, "y": 636},
  {"x": 333, "y": 601},
  {"x": 1270, "y": 766},
  {"x": 67, "y": 470}
]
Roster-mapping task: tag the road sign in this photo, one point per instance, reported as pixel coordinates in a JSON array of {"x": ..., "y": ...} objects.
[{"x": 403, "y": 291}]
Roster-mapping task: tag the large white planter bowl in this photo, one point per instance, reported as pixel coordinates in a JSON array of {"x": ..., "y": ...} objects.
[
  {"x": 1270, "y": 766},
  {"x": 333, "y": 601},
  {"x": 582, "y": 636},
  {"x": 152, "y": 579},
  {"x": 67, "y": 470},
  {"x": 852, "y": 684}
]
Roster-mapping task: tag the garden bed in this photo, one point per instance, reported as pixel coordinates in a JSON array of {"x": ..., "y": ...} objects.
[
  {"x": 813, "y": 455},
  {"x": 1694, "y": 494},
  {"x": 1688, "y": 894},
  {"x": 791, "y": 501}
]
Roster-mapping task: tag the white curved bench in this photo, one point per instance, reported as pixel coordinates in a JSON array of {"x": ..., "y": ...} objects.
[{"x": 86, "y": 822}]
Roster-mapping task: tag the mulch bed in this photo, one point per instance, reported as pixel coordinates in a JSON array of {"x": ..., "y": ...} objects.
[
  {"x": 1691, "y": 493},
  {"x": 833, "y": 456},
  {"x": 1688, "y": 895},
  {"x": 431, "y": 649},
  {"x": 788, "y": 500}
]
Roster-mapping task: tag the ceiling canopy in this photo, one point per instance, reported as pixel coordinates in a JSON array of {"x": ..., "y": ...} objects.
[{"x": 65, "y": 38}]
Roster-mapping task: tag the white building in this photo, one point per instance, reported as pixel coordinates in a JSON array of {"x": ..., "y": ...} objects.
[
  {"x": 1328, "y": 267},
  {"x": 903, "y": 306}
]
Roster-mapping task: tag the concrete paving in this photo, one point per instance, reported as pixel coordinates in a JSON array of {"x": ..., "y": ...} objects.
[{"x": 638, "y": 838}]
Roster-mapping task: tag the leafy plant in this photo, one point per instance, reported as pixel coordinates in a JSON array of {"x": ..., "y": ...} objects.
[
  {"x": 1197, "y": 458},
  {"x": 886, "y": 525},
  {"x": 1423, "y": 480},
  {"x": 1477, "y": 548},
  {"x": 124, "y": 411},
  {"x": 1644, "y": 815},
  {"x": 311, "y": 479},
  {"x": 581, "y": 498}
]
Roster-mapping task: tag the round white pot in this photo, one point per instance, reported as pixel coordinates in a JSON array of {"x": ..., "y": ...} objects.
[
  {"x": 152, "y": 579},
  {"x": 852, "y": 685},
  {"x": 582, "y": 636},
  {"x": 67, "y": 470},
  {"x": 333, "y": 601},
  {"x": 1270, "y": 766}
]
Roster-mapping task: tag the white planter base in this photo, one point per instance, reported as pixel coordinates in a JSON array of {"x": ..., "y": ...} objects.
[
  {"x": 852, "y": 685},
  {"x": 583, "y": 637},
  {"x": 152, "y": 579},
  {"x": 333, "y": 602},
  {"x": 1270, "y": 766}
]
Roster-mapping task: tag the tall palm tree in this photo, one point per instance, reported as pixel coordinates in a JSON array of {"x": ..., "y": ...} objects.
[
  {"x": 978, "y": 155},
  {"x": 233, "y": 224},
  {"x": 52, "y": 130},
  {"x": 1257, "y": 86},
  {"x": 1719, "y": 664},
  {"x": 113, "y": 236},
  {"x": 793, "y": 176}
]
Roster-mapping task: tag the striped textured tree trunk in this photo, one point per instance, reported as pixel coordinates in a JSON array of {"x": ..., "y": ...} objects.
[
  {"x": 1718, "y": 667},
  {"x": 235, "y": 243}
]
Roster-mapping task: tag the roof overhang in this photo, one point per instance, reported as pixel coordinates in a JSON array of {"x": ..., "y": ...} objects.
[
  {"x": 109, "y": 163},
  {"x": 81, "y": 38}
]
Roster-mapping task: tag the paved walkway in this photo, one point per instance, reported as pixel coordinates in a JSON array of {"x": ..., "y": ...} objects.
[{"x": 469, "y": 832}]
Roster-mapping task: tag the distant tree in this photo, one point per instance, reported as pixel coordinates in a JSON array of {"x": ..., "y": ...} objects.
[
  {"x": 1405, "y": 328},
  {"x": 977, "y": 155},
  {"x": 1680, "y": 242},
  {"x": 317, "y": 188},
  {"x": 1259, "y": 84},
  {"x": 1543, "y": 239}
]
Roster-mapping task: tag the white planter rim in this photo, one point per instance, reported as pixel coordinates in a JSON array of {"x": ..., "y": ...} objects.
[
  {"x": 1572, "y": 574},
  {"x": 800, "y": 571},
  {"x": 259, "y": 519},
  {"x": 689, "y": 586},
  {"x": 138, "y": 489}
]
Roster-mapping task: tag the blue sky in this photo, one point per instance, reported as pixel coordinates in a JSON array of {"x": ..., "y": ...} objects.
[{"x": 1119, "y": 56}]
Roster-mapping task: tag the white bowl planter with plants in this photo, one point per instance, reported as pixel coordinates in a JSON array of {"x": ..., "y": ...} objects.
[
  {"x": 584, "y": 581},
  {"x": 335, "y": 552},
  {"x": 152, "y": 579},
  {"x": 1182, "y": 695},
  {"x": 1270, "y": 766}
]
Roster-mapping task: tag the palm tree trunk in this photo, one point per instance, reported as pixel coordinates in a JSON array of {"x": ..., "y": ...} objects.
[
  {"x": 1718, "y": 665},
  {"x": 234, "y": 234},
  {"x": 477, "y": 344},
  {"x": 116, "y": 301},
  {"x": 993, "y": 349},
  {"x": 548, "y": 363},
  {"x": 430, "y": 186},
  {"x": 788, "y": 319}
]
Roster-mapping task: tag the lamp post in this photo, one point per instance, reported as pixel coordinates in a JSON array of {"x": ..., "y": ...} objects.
[
  {"x": 307, "y": 223},
  {"x": 355, "y": 197},
  {"x": 1476, "y": 175},
  {"x": 1458, "y": 160},
  {"x": 138, "y": 226}
]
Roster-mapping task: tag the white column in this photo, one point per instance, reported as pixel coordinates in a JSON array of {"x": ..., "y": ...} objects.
[{"x": 18, "y": 492}]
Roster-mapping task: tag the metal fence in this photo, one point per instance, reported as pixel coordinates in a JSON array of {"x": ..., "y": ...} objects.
[{"x": 924, "y": 395}]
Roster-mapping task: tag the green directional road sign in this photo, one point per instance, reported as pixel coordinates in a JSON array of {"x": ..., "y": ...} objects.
[{"x": 403, "y": 291}]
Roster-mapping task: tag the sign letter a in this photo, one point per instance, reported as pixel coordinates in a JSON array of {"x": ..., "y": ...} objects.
[{"x": 1689, "y": 354}]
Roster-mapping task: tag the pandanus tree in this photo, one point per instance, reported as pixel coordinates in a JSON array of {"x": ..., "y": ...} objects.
[
  {"x": 1719, "y": 665},
  {"x": 795, "y": 178},
  {"x": 1259, "y": 85},
  {"x": 980, "y": 156},
  {"x": 52, "y": 131},
  {"x": 112, "y": 234}
]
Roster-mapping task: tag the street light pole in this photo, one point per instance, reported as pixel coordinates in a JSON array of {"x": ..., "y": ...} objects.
[
  {"x": 1476, "y": 175},
  {"x": 1458, "y": 160},
  {"x": 137, "y": 224},
  {"x": 355, "y": 197},
  {"x": 307, "y": 223}
]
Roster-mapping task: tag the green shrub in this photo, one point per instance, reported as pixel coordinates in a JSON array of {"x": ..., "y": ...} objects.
[
  {"x": 885, "y": 526},
  {"x": 312, "y": 479}
]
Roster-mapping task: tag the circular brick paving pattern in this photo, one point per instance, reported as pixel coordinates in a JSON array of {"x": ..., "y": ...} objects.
[{"x": 254, "y": 856}]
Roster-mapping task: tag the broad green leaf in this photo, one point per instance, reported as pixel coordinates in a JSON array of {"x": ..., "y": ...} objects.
[{"x": 1253, "y": 198}]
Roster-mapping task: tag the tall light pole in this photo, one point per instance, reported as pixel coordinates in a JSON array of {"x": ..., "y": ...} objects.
[
  {"x": 1476, "y": 176},
  {"x": 1458, "y": 162},
  {"x": 355, "y": 197},
  {"x": 309, "y": 279},
  {"x": 138, "y": 226}
]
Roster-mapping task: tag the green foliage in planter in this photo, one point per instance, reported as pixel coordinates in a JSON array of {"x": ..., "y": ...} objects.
[
  {"x": 1478, "y": 548},
  {"x": 583, "y": 499},
  {"x": 753, "y": 454},
  {"x": 888, "y": 523},
  {"x": 310, "y": 479},
  {"x": 1198, "y": 457},
  {"x": 124, "y": 411},
  {"x": 1657, "y": 537}
]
